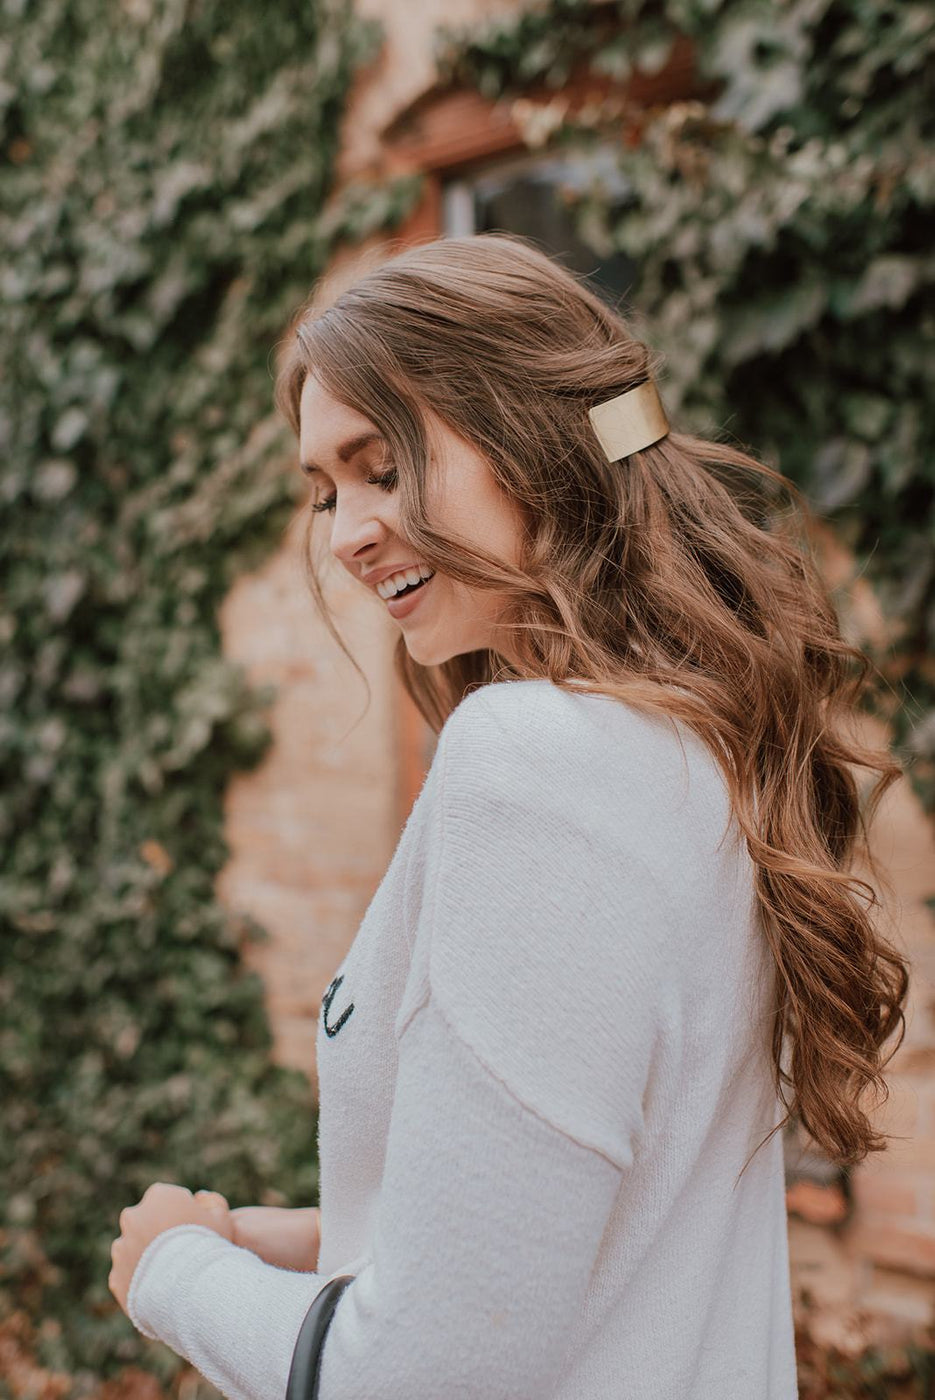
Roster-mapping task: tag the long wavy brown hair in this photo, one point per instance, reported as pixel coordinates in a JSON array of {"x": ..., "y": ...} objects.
[{"x": 680, "y": 580}]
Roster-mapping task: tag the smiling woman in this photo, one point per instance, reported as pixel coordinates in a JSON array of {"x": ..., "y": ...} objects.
[
  {"x": 346, "y": 456},
  {"x": 621, "y": 921}
]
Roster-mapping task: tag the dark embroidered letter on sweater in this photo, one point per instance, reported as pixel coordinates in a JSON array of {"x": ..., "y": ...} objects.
[{"x": 326, "y": 1007}]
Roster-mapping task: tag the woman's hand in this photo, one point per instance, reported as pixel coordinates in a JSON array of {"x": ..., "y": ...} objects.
[
  {"x": 160, "y": 1208},
  {"x": 289, "y": 1239}
]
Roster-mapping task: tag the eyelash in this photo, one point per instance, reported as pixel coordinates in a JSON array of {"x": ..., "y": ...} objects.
[{"x": 387, "y": 481}]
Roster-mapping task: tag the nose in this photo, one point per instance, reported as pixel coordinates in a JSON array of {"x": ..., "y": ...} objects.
[{"x": 357, "y": 531}]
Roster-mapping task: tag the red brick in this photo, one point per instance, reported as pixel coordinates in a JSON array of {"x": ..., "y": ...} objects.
[
  {"x": 886, "y": 1193},
  {"x": 900, "y": 1113},
  {"x": 821, "y": 1205}
]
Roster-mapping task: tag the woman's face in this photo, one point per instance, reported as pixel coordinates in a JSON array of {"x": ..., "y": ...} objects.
[{"x": 343, "y": 455}]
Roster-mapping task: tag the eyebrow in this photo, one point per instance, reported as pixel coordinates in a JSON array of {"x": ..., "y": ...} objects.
[{"x": 346, "y": 451}]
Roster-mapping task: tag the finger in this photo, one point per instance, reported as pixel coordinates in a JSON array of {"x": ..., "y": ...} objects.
[
  {"x": 165, "y": 1186},
  {"x": 124, "y": 1220},
  {"x": 212, "y": 1198}
]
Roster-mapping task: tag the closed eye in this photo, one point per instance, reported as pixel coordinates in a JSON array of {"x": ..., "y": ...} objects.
[{"x": 387, "y": 480}]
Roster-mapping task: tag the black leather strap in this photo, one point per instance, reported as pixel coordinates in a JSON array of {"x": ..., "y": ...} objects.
[{"x": 306, "y": 1357}]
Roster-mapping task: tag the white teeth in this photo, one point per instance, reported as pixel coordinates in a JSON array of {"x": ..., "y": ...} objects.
[{"x": 388, "y": 587}]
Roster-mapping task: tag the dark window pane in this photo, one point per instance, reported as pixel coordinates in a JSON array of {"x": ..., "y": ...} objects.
[{"x": 530, "y": 197}]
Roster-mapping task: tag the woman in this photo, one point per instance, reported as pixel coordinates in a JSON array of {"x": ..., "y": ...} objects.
[{"x": 619, "y": 922}]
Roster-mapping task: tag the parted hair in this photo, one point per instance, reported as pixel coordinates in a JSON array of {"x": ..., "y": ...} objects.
[{"x": 681, "y": 580}]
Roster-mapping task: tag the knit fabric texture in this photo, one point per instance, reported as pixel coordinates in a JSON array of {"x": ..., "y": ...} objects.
[{"x": 543, "y": 1063}]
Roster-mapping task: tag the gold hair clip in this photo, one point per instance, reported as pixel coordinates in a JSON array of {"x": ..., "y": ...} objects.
[{"x": 629, "y": 422}]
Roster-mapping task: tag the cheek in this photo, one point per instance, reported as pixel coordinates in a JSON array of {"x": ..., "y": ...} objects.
[
  {"x": 502, "y": 532},
  {"x": 484, "y": 518},
  {"x": 464, "y": 500}
]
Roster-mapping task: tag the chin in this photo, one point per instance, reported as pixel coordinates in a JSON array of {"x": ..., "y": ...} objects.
[
  {"x": 429, "y": 656},
  {"x": 427, "y": 653}
]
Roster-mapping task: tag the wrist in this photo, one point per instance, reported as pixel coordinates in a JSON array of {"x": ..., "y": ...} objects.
[
  {"x": 309, "y": 1222},
  {"x": 287, "y": 1238}
]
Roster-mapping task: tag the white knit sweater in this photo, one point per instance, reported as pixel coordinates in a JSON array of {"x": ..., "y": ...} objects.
[{"x": 543, "y": 1063}]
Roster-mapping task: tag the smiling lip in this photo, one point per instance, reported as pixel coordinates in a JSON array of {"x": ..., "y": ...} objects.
[
  {"x": 378, "y": 575},
  {"x": 402, "y": 607}
]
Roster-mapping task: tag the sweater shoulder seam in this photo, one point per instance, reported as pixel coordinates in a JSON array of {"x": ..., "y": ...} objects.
[{"x": 431, "y": 1000}]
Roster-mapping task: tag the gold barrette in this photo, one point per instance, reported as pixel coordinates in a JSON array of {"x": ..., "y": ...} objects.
[{"x": 629, "y": 422}]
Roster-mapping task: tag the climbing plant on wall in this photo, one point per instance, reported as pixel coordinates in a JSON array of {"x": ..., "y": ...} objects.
[
  {"x": 164, "y": 168},
  {"x": 781, "y": 227}
]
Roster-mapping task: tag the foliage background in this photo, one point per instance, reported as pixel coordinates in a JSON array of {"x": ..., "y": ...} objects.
[
  {"x": 165, "y": 167},
  {"x": 781, "y": 228}
]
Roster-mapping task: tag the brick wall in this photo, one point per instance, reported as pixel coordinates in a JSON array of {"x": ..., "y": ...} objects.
[{"x": 871, "y": 1271}]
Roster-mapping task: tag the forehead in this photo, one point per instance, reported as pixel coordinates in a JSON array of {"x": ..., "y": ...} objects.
[{"x": 325, "y": 422}]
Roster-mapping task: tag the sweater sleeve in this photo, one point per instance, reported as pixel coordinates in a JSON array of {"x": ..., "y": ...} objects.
[
  {"x": 222, "y": 1308},
  {"x": 487, "y": 1230}
]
